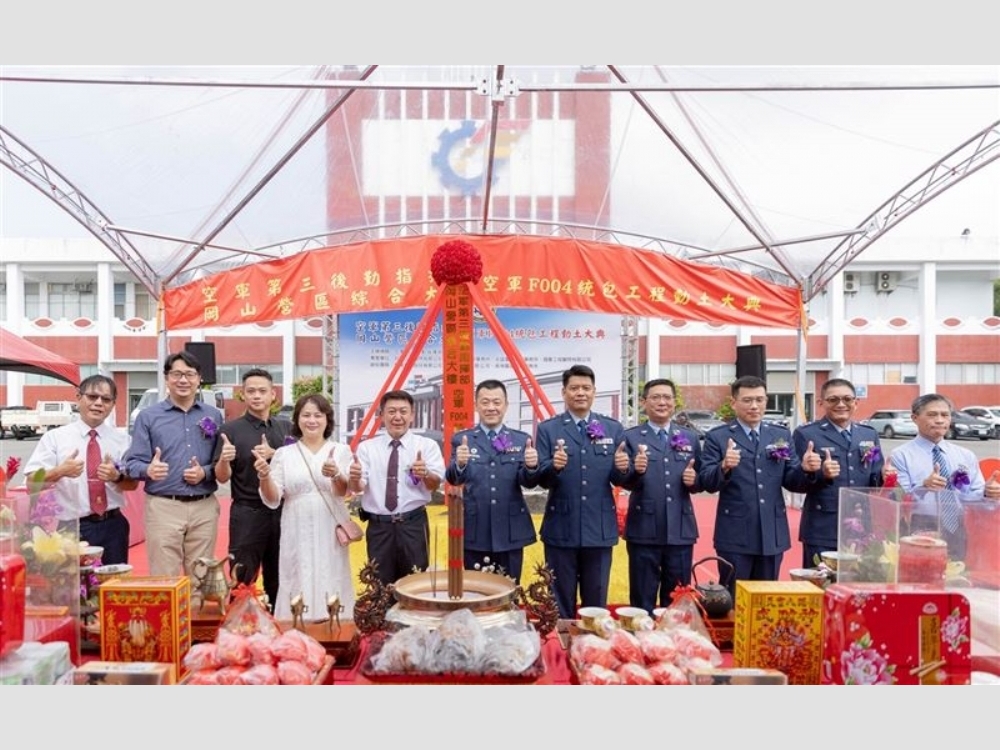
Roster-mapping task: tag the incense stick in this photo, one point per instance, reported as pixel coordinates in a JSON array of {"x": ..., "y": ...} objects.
[{"x": 923, "y": 670}]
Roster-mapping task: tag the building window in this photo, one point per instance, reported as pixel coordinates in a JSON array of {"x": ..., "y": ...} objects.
[
  {"x": 145, "y": 305},
  {"x": 71, "y": 301},
  {"x": 119, "y": 301},
  {"x": 32, "y": 300},
  {"x": 968, "y": 373}
]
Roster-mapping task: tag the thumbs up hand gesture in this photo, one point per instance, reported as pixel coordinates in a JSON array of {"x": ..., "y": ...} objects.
[
  {"x": 158, "y": 468},
  {"x": 935, "y": 481},
  {"x": 354, "y": 471},
  {"x": 621, "y": 457},
  {"x": 462, "y": 453},
  {"x": 107, "y": 471},
  {"x": 418, "y": 470},
  {"x": 690, "y": 476},
  {"x": 72, "y": 466},
  {"x": 194, "y": 473},
  {"x": 732, "y": 458},
  {"x": 530, "y": 454},
  {"x": 559, "y": 458},
  {"x": 992, "y": 490},
  {"x": 831, "y": 468},
  {"x": 810, "y": 459},
  {"x": 228, "y": 452},
  {"x": 330, "y": 468},
  {"x": 642, "y": 459}
]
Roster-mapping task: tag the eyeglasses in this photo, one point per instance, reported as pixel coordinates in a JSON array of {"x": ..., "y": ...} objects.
[
  {"x": 659, "y": 397},
  {"x": 845, "y": 400},
  {"x": 93, "y": 398},
  {"x": 183, "y": 375}
]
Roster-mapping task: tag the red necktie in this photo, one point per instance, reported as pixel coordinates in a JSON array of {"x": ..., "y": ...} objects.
[
  {"x": 392, "y": 479},
  {"x": 98, "y": 492}
]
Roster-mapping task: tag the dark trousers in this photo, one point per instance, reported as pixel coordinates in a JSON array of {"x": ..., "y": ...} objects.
[
  {"x": 511, "y": 561},
  {"x": 254, "y": 543},
  {"x": 750, "y": 568},
  {"x": 111, "y": 534},
  {"x": 811, "y": 553},
  {"x": 397, "y": 548},
  {"x": 585, "y": 568},
  {"x": 657, "y": 569}
]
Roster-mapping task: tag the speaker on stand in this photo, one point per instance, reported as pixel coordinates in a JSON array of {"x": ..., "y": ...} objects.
[
  {"x": 204, "y": 352},
  {"x": 751, "y": 360}
]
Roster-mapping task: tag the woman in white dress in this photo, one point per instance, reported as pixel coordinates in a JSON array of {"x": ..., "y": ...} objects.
[{"x": 311, "y": 562}]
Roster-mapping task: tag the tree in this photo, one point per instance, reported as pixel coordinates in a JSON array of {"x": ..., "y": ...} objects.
[
  {"x": 996, "y": 297},
  {"x": 305, "y": 386}
]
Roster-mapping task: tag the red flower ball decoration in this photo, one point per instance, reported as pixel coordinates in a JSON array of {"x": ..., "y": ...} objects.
[{"x": 456, "y": 262}]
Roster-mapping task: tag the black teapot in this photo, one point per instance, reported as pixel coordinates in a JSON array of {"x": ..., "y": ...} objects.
[{"x": 715, "y": 597}]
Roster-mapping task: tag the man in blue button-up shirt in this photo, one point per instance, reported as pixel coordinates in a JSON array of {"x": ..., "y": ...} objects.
[
  {"x": 491, "y": 462},
  {"x": 172, "y": 448},
  {"x": 581, "y": 455},
  {"x": 661, "y": 527}
]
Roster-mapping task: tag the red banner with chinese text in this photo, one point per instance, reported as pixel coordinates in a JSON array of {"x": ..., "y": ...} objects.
[
  {"x": 518, "y": 271},
  {"x": 457, "y": 365}
]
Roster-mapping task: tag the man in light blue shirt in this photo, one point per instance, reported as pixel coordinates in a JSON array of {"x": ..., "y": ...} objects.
[{"x": 940, "y": 475}]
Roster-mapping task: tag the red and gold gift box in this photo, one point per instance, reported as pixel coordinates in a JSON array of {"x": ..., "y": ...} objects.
[
  {"x": 905, "y": 634},
  {"x": 146, "y": 619},
  {"x": 12, "y": 602},
  {"x": 779, "y": 626}
]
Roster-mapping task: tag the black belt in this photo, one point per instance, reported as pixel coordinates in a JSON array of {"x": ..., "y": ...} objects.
[
  {"x": 98, "y": 517},
  {"x": 396, "y": 517},
  {"x": 183, "y": 498}
]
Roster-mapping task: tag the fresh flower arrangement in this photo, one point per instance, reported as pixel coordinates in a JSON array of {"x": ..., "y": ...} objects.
[
  {"x": 870, "y": 453},
  {"x": 51, "y": 555},
  {"x": 208, "y": 427},
  {"x": 960, "y": 478},
  {"x": 779, "y": 451},
  {"x": 502, "y": 443},
  {"x": 680, "y": 443},
  {"x": 456, "y": 262},
  {"x": 595, "y": 430},
  {"x": 877, "y": 557}
]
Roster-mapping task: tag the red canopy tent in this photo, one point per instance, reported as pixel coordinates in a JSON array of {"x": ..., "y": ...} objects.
[{"x": 20, "y": 355}]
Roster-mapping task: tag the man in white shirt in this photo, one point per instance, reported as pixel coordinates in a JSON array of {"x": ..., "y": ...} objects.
[
  {"x": 395, "y": 491},
  {"x": 89, "y": 481}
]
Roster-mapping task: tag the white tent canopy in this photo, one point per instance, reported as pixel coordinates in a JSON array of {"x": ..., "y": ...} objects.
[{"x": 787, "y": 173}]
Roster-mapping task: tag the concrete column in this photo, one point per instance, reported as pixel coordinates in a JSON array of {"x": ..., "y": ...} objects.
[{"x": 927, "y": 366}]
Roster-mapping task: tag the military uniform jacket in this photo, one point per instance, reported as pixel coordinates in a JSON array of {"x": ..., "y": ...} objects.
[
  {"x": 751, "y": 517},
  {"x": 497, "y": 518},
  {"x": 660, "y": 510},
  {"x": 580, "y": 509},
  {"x": 822, "y": 500}
]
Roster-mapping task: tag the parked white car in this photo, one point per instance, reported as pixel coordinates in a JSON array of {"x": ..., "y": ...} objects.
[
  {"x": 891, "y": 423},
  {"x": 46, "y": 415},
  {"x": 989, "y": 414}
]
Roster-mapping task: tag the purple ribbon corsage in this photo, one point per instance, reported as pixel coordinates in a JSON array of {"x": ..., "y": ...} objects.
[
  {"x": 960, "y": 478},
  {"x": 779, "y": 451},
  {"x": 680, "y": 443},
  {"x": 502, "y": 443},
  {"x": 870, "y": 454},
  {"x": 595, "y": 430},
  {"x": 414, "y": 479},
  {"x": 208, "y": 427}
]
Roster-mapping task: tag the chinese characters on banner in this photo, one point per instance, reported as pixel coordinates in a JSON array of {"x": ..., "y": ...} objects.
[
  {"x": 526, "y": 272},
  {"x": 550, "y": 342}
]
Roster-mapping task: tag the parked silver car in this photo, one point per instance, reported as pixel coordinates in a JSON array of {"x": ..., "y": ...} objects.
[
  {"x": 701, "y": 421},
  {"x": 969, "y": 427},
  {"x": 989, "y": 414},
  {"x": 890, "y": 423}
]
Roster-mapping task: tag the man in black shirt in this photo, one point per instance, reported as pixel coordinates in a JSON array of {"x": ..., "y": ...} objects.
[{"x": 254, "y": 529}]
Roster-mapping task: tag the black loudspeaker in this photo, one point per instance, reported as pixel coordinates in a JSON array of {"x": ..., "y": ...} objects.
[
  {"x": 751, "y": 360},
  {"x": 204, "y": 352}
]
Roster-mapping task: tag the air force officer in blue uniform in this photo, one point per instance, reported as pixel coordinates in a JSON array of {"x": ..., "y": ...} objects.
[
  {"x": 748, "y": 462},
  {"x": 581, "y": 455},
  {"x": 852, "y": 458},
  {"x": 661, "y": 528},
  {"x": 491, "y": 462}
]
